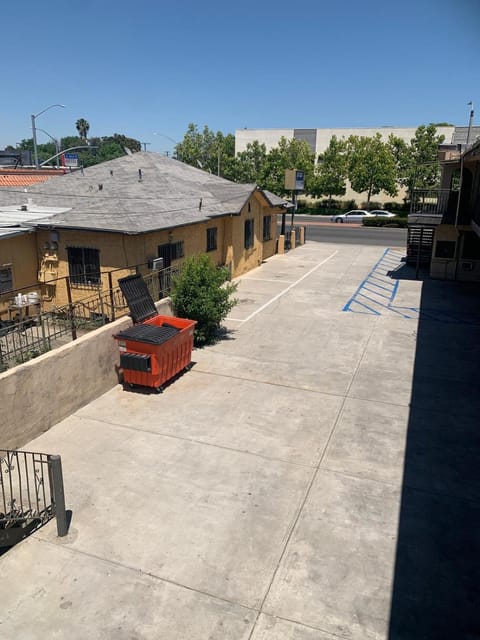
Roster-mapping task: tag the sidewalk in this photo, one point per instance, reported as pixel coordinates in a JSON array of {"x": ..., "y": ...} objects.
[{"x": 267, "y": 493}]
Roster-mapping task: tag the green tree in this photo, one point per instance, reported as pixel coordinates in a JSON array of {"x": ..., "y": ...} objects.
[
  {"x": 422, "y": 169},
  {"x": 71, "y": 141},
  {"x": 399, "y": 150},
  {"x": 202, "y": 292},
  {"x": 123, "y": 142},
  {"x": 289, "y": 154},
  {"x": 249, "y": 165},
  {"x": 331, "y": 172},
  {"x": 82, "y": 128},
  {"x": 207, "y": 150},
  {"x": 371, "y": 166}
]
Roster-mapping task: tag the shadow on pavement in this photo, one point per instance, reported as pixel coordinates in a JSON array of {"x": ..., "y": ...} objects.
[
  {"x": 436, "y": 591},
  {"x": 409, "y": 272}
]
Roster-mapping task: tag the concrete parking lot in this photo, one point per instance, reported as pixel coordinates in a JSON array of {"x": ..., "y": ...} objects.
[{"x": 314, "y": 476}]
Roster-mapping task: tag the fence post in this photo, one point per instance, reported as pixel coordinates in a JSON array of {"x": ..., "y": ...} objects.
[
  {"x": 56, "y": 476},
  {"x": 70, "y": 304},
  {"x": 110, "y": 287}
]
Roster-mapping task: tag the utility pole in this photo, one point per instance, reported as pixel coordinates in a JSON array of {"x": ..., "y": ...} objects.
[
  {"x": 470, "y": 122},
  {"x": 145, "y": 145}
]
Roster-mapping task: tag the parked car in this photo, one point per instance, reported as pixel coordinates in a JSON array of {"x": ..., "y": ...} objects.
[
  {"x": 379, "y": 213},
  {"x": 356, "y": 215}
]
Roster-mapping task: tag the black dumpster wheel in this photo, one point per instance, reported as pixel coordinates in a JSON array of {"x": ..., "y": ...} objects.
[
  {"x": 130, "y": 385},
  {"x": 159, "y": 389}
]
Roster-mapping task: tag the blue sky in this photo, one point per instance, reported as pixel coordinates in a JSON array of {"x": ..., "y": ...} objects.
[{"x": 142, "y": 66}]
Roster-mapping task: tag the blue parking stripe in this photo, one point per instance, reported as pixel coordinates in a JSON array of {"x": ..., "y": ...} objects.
[{"x": 379, "y": 290}]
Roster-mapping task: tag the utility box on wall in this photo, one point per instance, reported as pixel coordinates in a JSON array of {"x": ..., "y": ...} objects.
[{"x": 294, "y": 180}]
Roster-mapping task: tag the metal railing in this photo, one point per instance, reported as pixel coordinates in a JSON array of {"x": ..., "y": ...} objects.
[
  {"x": 431, "y": 201},
  {"x": 31, "y": 494},
  {"x": 24, "y": 338}
]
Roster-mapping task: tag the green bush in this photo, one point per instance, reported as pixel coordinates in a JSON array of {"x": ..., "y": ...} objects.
[
  {"x": 202, "y": 292},
  {"x": 385, "y": 222},
  {"x": 370, "y": 206}
]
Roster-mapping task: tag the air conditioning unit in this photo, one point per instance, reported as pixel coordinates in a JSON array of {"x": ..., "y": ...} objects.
[{"x": 157, "y": 264}]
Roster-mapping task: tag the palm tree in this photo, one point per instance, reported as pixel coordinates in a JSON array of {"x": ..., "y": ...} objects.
[{"x": 82, "y": 128}]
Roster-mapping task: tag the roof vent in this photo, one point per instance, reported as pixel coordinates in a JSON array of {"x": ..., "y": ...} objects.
[
  {"x": 111, "y": 172},
  {"x": 200, "y": 205},
  {"x": 100, "y": 187},
  {"x": 140, "y": 175},
  {"x": 24, "y": 207}
]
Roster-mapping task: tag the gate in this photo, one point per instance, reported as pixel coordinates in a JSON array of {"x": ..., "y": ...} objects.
[
  {"x": 420, "y": 243},
  {"x": 31, "y": 494}
]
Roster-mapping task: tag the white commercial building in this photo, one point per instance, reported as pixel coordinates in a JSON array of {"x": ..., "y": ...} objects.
[{"x": 319, "y": 139}]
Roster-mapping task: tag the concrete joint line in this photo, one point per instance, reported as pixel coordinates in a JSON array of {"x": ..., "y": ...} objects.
[
  {"x": 160, "y": 434},
  {"x": 149, "y": 574},
  {"x": 287, "y": 541}
]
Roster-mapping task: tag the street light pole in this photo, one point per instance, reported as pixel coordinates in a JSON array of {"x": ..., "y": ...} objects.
[
  {"x": 34, "y": 131},
  {"x": 55, "y": 141}
]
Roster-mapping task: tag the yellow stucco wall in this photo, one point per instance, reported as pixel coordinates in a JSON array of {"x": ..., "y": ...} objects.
[
  {"x": 20, "y": 254},
  {"x": 242, "y": 259},
  {"x": 43, "y": 256}
]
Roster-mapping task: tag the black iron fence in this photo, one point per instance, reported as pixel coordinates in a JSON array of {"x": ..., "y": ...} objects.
[
  {"x": 31, "y": 493},
  {"x": 27, "y": 331}
]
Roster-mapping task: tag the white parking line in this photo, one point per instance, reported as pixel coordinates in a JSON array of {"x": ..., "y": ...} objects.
[
  {"x": 279, "y": 295},
  {"x": 270, "y": 280}
]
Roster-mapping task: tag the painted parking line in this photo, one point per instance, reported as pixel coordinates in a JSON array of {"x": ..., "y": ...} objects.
[
  {"x": 284, "y": 291},
  {"x": 376, "y": 294}
]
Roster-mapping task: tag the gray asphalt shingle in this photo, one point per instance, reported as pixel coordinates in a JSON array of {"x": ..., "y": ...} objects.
[{"x": 135, "y": 194}]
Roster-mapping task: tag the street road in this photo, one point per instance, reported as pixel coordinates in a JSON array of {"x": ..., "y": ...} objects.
[{"x": 321, "y": 229}]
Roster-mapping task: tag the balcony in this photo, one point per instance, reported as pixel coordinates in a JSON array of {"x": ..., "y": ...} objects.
[{"x": 436, "y": 206}]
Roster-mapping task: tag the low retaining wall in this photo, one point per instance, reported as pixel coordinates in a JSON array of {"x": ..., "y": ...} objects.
[{"x": 36, "y": 395}]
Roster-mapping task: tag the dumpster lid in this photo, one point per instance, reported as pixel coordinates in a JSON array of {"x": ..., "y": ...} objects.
[
  {"x": 138, "y": 298},
  {"x": 148, "y": 333}
]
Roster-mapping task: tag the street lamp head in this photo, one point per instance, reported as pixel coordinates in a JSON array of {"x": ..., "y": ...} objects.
[{"x": 47, "y": 108}]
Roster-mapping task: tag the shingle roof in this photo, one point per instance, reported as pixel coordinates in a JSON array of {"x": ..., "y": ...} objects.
[{"x": 114, "y": 196}]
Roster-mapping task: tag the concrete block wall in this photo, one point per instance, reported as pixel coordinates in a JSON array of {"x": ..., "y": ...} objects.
[{"x": 36, "y": 395}]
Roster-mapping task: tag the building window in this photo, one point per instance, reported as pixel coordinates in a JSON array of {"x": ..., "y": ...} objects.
[
  {"x": 249, "y": 233},
  {"x": 177, "y": 250},
  {"x": 84, "y": 266},
  {"x": 212, "y": 239},
  {"x": 170, "y": 251},
  {"x": 267, "y": 228},
  {"x": 6, "y": 278}
]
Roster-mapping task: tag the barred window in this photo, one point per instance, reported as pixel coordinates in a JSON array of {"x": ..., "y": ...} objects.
[
  {"x": 249, "y": 239},
  {"x": 6, "y": 278},
  {"x": 177, "y": 250},
  {"x": 212, "y": 239},
  {"x": 267, "y": 228},
  {"x": 84, "y": 266}
]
